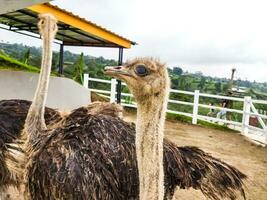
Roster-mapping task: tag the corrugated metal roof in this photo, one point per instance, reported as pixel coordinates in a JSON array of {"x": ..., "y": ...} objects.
[
  {"x": 89, "y": 22},
  {"x": 77, "y": 31}
]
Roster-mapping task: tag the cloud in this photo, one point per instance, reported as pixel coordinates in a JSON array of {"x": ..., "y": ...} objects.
[{"x": 197, "y": 35}]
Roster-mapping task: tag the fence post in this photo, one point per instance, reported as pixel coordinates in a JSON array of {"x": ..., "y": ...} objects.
[
  {"x": 246, "y": 115},
  {"x": 113, "y": 90},
  {"x": 86, "y": 84},
  {"x": 85, "y": 80},
  {"x": 195, "y": 107}
]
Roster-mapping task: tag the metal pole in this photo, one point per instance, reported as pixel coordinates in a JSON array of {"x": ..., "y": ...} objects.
[
  {"x": 61, "y": 59},
  {"x": 118, "y": 81}
]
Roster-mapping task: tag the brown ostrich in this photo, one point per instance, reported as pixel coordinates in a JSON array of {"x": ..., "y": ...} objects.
[
  {"x": 148, "y": 81},
  {"x": 85, "y": 156},
  {"x": 184, "y": 167},
  {"x": 12, "y": 118}
]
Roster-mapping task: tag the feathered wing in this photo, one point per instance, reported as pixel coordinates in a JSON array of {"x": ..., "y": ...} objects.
[
  {"x": 12, "y": 118},
  {"x": 191, "y": 167}
]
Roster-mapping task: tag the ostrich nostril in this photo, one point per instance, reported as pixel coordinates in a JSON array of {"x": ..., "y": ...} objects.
[{"x": 119, "y": 67}]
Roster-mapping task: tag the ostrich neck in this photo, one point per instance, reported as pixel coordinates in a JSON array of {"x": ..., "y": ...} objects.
[
  {"x": 149, "y": 148},
  {"x": 35, "y": 118}
]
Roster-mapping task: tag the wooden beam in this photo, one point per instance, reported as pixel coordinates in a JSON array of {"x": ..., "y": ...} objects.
[
  {"x": 86, "y": 26},
  {"x": 13, "y": 5}
]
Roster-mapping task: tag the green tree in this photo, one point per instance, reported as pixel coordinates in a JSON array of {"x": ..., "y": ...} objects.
[
  {"x": 201, "y": 85},
  {"x": 218, "y": 86},
  {"x": 175, "y": 82},
  {"x": 225, "y": 88},
  {"x": 79, "y": 66},
  {"x": 26, "y": 56},
  {"x": 184, "y": 83},
  {"x": 177, "y": 70}
]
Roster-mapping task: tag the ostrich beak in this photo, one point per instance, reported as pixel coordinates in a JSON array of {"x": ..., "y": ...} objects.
[{"x": 116, "y": 71}]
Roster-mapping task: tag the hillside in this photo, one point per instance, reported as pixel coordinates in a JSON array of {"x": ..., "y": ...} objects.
[
  {"x": 21, "y": 57},
  {"x": 7, "y": 62},
  {"x": 32, "y": 56}
]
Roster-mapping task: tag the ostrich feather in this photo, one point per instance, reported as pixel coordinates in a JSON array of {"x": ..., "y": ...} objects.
[{"x": 93, "y": 157}]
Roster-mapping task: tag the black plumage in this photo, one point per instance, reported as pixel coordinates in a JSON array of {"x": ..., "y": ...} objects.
[
  {"x": 93, "y": 157},
  {"x": 12, "y": 118}
]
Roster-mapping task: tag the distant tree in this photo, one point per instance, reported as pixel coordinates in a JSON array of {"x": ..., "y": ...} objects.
[
  {"x": 184, "y": 83},
  {"x": 175, "y": 82},
  {"x": 218, "y": 86},
  {"x": 198, "y": 73},
  {"x": 55, "y": 61},
  {"x": 177, "y": 70},
  {"x": 79, "y": 65},
  {"x": 26, "y": 56},
  {"x": 2, "y": 52},
  {"x": 201, "y": 85},
  {"x": 225, "y": 88},
  {"x": 169, "y": 70}
]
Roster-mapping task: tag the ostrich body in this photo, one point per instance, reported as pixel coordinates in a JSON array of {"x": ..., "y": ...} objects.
[
  {"x": 85, "y": 156},
  {"x": 12, "y": 118},
  {"x": 184, "y": 167}
]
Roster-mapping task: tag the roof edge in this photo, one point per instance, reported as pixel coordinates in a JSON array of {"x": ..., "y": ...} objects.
[{"x": 83, "y": 24}]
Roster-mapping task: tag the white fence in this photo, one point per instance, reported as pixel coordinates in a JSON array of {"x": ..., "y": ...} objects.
[{"x": 257, "y": 133}]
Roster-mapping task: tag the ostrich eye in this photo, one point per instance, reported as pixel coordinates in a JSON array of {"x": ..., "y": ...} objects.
[{"x": 141, "y": 70}]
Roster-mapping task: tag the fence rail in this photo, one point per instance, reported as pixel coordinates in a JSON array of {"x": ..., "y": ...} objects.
[{"x": 257, "y": 133}]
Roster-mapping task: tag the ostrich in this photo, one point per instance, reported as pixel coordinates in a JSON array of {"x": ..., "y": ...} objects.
[
  {"x": 93, "y": 156},
  {"x": 184, "y": 167},
  {"x": 12, "y": 118},
  {"x": 151, "y": 94},
  {"x": 148, "y": 81},
  {"x": 231, "y": 82}
]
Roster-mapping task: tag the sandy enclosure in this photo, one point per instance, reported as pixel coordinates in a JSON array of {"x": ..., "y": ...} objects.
[{"x": 228, "y": 146}]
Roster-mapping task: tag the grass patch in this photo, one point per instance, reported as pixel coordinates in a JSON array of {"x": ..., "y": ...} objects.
[
  {"x": 7, "y": 62},
  {"x": 186, "y": 119},
  {"x": 203, "y": 123}
]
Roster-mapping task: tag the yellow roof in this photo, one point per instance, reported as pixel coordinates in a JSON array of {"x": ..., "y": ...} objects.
[{"x": 73, "y": 30}]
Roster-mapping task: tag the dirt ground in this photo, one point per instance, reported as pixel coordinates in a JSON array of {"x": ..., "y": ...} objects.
[{"x": 229, "y": 147}]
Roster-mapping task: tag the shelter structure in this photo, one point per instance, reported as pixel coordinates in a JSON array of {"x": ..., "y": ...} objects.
[{"x": 72, "y": 31}]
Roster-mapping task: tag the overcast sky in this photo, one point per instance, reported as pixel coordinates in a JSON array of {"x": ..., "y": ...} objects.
[{"x": 211, "y": 36}]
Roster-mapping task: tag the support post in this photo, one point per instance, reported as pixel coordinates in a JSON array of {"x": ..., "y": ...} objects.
[
  {"x": 246, "y": 115},
  {"x": 61, "y": 59},
  {"x": 86, "y": 85},
  {"x": 118, "y": 81},
  {"x": 195, "y": 107},
  {"x": 113, "y": 90},
  {"x": 86, "y": 80}
]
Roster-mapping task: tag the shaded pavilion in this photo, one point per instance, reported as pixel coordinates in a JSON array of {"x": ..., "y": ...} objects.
[{"x": 72, "y": 31}]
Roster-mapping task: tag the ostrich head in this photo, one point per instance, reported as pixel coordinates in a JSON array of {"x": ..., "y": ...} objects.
[
  {"x": 47, "y": 25},
  {"x": 146, "y": 78}
]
